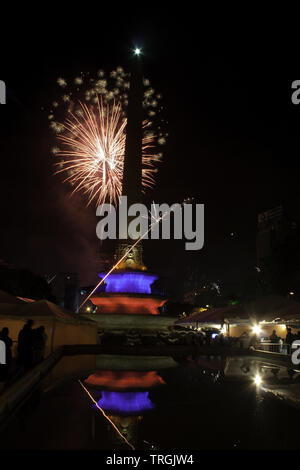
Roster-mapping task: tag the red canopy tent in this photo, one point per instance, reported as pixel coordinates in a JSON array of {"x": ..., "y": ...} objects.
[{"x": 216, "y": 316}]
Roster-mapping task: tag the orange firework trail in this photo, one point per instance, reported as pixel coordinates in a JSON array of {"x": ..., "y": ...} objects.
[
  {"x": 93, "y": 152},
  {"x": 106, "y": 417}
]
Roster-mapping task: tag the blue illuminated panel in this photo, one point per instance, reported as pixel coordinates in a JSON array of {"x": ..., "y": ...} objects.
[
  {"x": 129, "y": 282},
  {"x": 125, "y": 402}
]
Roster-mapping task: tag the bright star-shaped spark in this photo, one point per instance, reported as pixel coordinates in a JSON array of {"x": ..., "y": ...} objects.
[{"x": 137, "y": 51}]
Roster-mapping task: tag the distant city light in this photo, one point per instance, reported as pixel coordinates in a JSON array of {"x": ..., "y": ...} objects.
[
  {"x": 292, "y": 293},
  {"x": 188, "y": 200},
  {"x": 88, "y": 309}
]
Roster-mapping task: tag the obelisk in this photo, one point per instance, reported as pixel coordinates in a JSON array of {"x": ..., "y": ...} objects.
[
  {"x": 127, "y": 290},
  {"x": 132, "y": 170}
]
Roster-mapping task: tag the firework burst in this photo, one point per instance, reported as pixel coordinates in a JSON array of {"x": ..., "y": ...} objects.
[
  {"x": 93, "y": 152},
  {"x": 90, "y": 143}
]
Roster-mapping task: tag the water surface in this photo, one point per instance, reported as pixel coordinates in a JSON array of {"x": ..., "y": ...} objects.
[{"x": 195, "y": 404}]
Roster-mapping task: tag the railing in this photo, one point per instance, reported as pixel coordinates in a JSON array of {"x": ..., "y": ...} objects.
[{"x": 279, "y": 348}]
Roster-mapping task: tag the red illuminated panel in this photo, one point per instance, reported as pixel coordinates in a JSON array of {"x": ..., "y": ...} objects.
[
  {"x": 122, "y": 303},
  {"x": 124, "y": 380}
]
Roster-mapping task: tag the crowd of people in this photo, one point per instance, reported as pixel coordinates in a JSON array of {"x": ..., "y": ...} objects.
[
  {"x": 30, "y": 348},
  {"x": 174, "y": 335},
  {"x": 290, "y": 337}
]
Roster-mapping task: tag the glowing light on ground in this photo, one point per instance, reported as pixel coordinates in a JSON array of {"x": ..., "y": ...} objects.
[{"x": 257, "y": 380}]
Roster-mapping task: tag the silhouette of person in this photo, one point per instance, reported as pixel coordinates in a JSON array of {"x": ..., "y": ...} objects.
[
  {"x": 208, "y": 337},
  {"x": 274, "y": 339},
  {"x": 25, "y": 345},
  {"x": 221, "y": 339},
  {"x": 39, "y": 343},
  {"x": 275, "y": 372},
  {"x": 291, "y": 373},
  {"x": 244, "y": 339},
  {"x": 289, "y": 338},
  {"x": 5, "y": 368}
]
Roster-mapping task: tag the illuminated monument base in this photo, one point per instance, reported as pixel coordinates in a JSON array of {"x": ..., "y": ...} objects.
[
  {"x": 127, "y": 304},
  {"x": 127, "y": 292}
]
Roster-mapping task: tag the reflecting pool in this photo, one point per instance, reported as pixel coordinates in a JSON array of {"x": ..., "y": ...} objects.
[{"x": 195, "y": 404}]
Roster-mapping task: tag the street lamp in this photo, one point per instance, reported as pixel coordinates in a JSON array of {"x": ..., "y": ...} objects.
[{"x": 256, "y": 329}]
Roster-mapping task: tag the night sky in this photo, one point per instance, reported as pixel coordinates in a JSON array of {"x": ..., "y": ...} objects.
[{"x": 233, "y": 142}]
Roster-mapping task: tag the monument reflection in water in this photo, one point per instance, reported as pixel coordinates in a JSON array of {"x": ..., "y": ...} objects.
[{"x": 124, "y": 397}]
